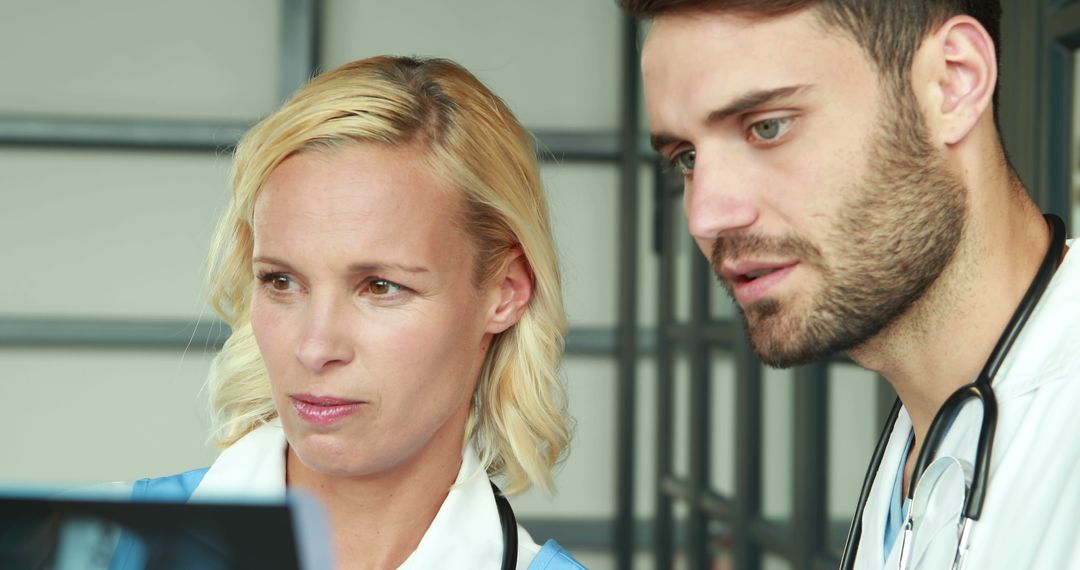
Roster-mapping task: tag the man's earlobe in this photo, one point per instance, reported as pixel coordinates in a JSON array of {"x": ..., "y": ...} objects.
[
  {"x": 968, "y": 78},
  {"x": 515, "y": 287}
]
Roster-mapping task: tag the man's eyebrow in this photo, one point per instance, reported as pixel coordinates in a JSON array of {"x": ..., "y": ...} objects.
[
  {"x": 753, "y": 100},
  {"x": 661, "y": 140},
  {"x": 744, "y": 103}
]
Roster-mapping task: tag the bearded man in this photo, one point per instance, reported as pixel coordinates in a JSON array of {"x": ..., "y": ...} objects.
[{"x": 845, "y": 175}]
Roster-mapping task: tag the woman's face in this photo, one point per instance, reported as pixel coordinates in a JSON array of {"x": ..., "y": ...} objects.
[{"x": 364, "y": 308}]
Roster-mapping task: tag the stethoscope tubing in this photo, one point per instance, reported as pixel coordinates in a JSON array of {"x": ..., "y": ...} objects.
[{"x": 981, "y": 390}]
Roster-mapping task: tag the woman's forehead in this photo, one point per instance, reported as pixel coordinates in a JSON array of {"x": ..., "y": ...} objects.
[{"x": 359, "y": 196}]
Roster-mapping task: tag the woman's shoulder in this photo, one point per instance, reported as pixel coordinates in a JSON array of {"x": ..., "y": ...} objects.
[
  {"x": 554, "y": 557},
  {"x": 177, "y": 487}
]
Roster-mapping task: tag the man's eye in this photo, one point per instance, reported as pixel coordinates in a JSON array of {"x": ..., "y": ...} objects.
[
  {"x": 383, "y": 287},
  {"x": 684, "y": 161},
  {"x": 770, "y": 129}
]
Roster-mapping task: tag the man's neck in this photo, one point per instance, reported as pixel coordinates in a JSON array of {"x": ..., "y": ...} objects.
[{"x": 945, "y": 339}]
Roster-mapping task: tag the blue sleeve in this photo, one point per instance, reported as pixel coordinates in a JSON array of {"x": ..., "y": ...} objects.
[
  {"x": 554, "y": 557},
  {"x": 130, "y": 552},
  {"x": 172, "y": 488}
]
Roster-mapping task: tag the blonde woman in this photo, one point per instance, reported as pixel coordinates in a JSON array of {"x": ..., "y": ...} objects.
[{"x": 387, "y": 268}]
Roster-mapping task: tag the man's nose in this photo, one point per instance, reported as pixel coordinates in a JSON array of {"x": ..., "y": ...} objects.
[
  {"x": 718, "y": 200},
  {"x": 325, "y": 342}
]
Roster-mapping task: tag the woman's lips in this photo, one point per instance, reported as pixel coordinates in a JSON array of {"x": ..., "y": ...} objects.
[{"x": 322, "y": 410}]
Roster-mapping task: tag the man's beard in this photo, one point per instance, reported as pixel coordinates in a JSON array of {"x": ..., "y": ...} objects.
[{"x": 890, "y": 241}]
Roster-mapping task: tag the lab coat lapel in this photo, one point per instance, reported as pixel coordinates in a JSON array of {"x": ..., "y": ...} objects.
[
  {"x": 251, "y": 468},
  {"x": 466, "y": 532},
  {"x": 871, "y": 543}
]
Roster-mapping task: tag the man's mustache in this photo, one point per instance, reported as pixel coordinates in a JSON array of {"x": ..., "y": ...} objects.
[{"x": 756, "y": 246}]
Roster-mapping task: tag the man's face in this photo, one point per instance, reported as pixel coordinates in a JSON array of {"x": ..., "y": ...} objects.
[{"x": 810, "y": 186}]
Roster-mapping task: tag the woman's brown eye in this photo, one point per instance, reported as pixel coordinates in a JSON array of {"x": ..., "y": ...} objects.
[
  {"x": 383, "y": 287},
  {"x": 280, "y": 283}
]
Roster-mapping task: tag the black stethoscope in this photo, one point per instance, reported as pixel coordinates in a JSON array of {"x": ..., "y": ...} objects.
[
  {"x": 979, "y": 390},
  {"x": 509, "y": 529}
]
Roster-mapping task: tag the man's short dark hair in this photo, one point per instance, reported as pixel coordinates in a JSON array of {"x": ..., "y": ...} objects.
[{"x": 889, "y": 31}]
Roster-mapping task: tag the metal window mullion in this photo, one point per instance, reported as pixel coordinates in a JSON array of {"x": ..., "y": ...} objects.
[
  {"x": 628, "y": 205},
  {"x": 748, "y": 457},
  {"x": 697, "y": 548},
  {"x": 663, "y": 551},
  {"x": 809, "y": 517},
  {"x": 1058, "y": 93},
  {"x": 299, "y": 53},
  {"x": 770, "y": 536}
]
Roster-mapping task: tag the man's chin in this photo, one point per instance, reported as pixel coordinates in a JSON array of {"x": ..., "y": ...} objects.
[
  {"x": 782, "y": 344},
  {"x": 787, "y": 357}
]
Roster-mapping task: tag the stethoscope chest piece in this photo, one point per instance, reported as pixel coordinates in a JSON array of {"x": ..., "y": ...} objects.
[{"x": 935, "y": 521}]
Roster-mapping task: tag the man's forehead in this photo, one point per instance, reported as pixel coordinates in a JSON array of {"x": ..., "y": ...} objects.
[
  {"x": 728, "y": 25},
  {"x": 705, "y": 65},
  {"x": 710, "y": 42}
]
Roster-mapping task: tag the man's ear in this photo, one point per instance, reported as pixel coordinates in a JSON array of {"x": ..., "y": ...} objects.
[
  {"x": 515, "y": 287},
  {"x": 956, "y": 68}
]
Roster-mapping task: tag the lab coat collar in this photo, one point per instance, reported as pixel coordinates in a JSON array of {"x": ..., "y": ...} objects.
[
  {"x": 251, "y": 468},
  {"x": 1038, "y": 357},
  {"x": 466, "y": 531}
]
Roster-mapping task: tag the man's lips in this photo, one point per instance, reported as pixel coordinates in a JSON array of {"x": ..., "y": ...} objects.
[
  {"x": 752, "y": 280},
  {"x": 323, "y": 410}
]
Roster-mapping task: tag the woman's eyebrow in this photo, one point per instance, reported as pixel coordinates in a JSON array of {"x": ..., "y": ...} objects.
[
  {"x": 270, "y": 261},
  {"x": 376, "y": 267}
]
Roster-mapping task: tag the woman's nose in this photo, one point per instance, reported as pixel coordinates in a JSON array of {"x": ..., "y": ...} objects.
[{"x": 325, "y": 342}]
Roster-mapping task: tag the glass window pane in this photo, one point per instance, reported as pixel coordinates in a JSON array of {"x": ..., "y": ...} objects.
[
  {"x": 648, "y": 273},
  {"x": 194, "y": 59},
  {"x": 774, "y": 562},
  {"x": 852, "y": 431},
  {"x": 722, "y": 434},
  {"x": 566, "y": 50},
  {"x": 721, "y": 306},
  {"x": 108, "y": 233},
  {"x": 685, "y": 250},
  {"x": 112, "y": 415},
  {"x": 645, "y": 448},
  {"x": 582, "y": 200},
  {"x": 584, "y": 482},
  {"x": 776, "y": 476}
]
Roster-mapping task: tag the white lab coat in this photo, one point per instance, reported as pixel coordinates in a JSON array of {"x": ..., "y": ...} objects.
[
  {"x": 466, "y": 532},
  {"x": 1031, "y": 516}
]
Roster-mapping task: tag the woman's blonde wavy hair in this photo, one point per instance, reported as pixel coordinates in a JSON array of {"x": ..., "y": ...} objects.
[{"x": 518, "y": 418}]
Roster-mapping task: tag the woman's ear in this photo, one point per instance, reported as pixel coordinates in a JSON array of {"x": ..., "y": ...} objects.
[
  {"x": 514, "y": 286},
  {"x": 958, "y": 75}
]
